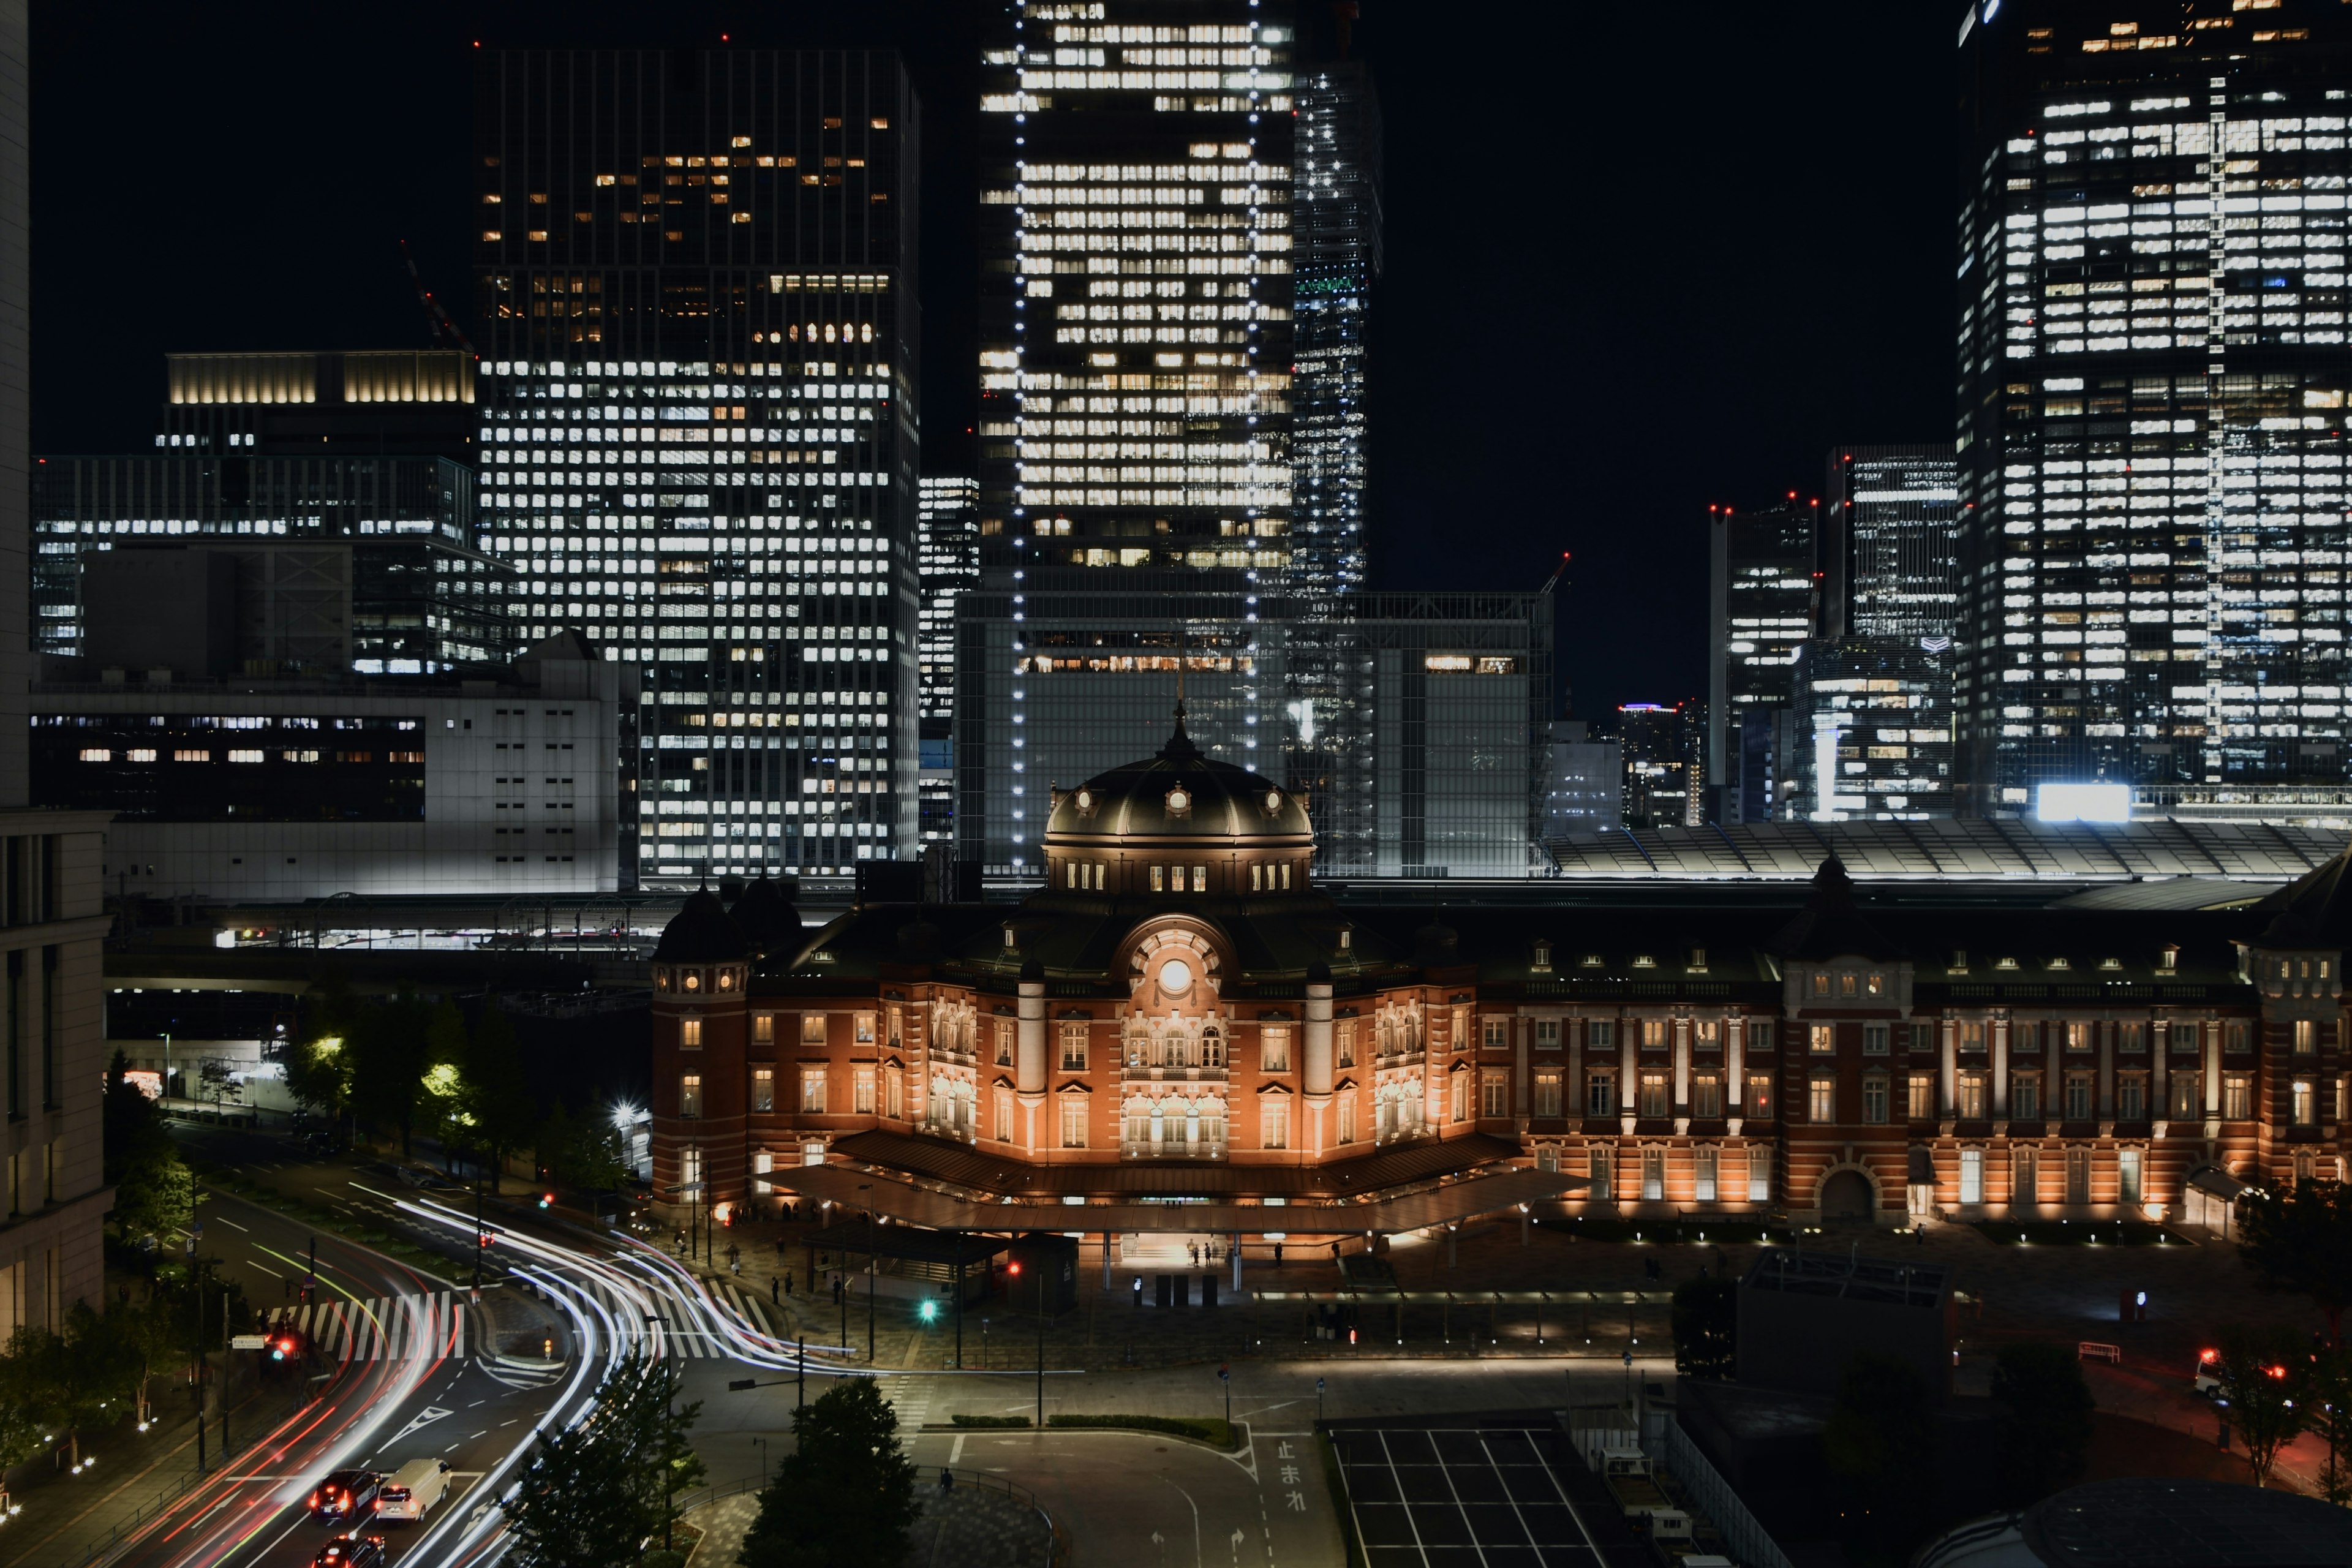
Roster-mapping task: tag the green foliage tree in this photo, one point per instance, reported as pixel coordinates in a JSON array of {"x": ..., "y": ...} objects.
[
  {"x": 2328, "y": 1406},
  {"x": 155, "y": 1195},
  {"x": 319, "y": 1075},
  {"x": 504, "y": 1108},
  {"x": 584, "y": 1155},
  {"x": 1705, "y": 1324},
  {"x": 131, "y": 1123},
  {"x": 387, "y": 1040},
  {"x": 1880, "y": 1442},
  {"x": 2300, "y": 1242},
  {"x": 2044, "y": 1421},
  {"x": 595, "y": 1493},
  {"x": 2264, "y": 1373},
  {"x": 845, "y": 1497}
]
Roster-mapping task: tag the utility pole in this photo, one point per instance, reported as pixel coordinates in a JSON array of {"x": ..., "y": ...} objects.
[
  {"x": 477, "y": 1239},
  {"x": 201, "y": 1367},
  {"x": 227, "y": 1367},
  {"x": 800, "y": 1396},
  {"x": 1041, "y": 1350}
]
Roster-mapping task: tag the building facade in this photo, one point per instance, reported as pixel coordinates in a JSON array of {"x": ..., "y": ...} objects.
[
  {"x": 1875, "y": 715},
  {"x": 1585, "y": 793},
  {"x": 52, "y": 920},
  {"x": 1434, "y": 766},
  {"x": 341, "y": 564},
  {"x": 699, "y": 405},
  {"x": 2149, "y": 314},
  {"x": 1337, "y": 205},
  {"x": 1181, "y": 1009},
  {"x": 378, "y": 402},
  {"x": 1765, "y": 601},
  {"x": 248, "y": 790},
  {"x": 1894, "y": 525}
]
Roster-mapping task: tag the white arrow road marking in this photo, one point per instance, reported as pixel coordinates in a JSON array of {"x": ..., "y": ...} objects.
[{"x": 426, "y": 1417}]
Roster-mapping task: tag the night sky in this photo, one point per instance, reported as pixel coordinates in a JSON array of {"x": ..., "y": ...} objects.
[{"x": 1641, "y": 257}]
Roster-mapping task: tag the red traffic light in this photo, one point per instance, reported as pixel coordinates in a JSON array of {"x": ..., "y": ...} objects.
[
  {"x": 484, "y": 1238},
  {"x": 546, "y": 1200},
  {"x": 2208, "y": 1356},
  {"x": 1013, "y": 1268}
]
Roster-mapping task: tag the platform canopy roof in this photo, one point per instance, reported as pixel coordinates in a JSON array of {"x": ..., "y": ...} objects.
[{"x": 1448, "y": 1204}]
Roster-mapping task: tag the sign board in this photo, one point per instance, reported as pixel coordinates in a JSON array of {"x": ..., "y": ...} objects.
[{"x": 248, "y": 1341}]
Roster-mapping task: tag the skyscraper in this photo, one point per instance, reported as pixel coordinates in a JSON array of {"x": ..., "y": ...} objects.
[
  {"x": 1892, "y": 516},
  {"x": 2152, "y": 378},
  {"x": 947, "y": 560},
  {"x": 1337, "y": 205},
  {"x": 697, "y": 276},
  {"x": 1764, "y": 603},
  {"x": 1136, "y": 350}
]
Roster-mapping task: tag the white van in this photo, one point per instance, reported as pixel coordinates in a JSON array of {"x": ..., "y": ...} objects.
[{"x": 413, "y": 1489}]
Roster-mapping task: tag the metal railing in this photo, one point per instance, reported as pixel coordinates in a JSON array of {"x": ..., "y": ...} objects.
[{"x": 1665, "y": 1441}]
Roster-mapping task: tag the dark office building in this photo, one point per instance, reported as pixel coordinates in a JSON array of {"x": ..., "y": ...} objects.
[
  {"x": 2150, "y": 316},
  {"x": 394, "y": 403},
  {"x": 332, "y": 565},
  {"x": 1765, "y": 602},
  {"x": 698, "y": 292},
  {"x": 1336, "y": 203}
]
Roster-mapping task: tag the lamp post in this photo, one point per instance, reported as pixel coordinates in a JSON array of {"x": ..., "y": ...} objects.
[
  {"x": 870, "y": 1272},
  {"x": 762, "y": 1442}
]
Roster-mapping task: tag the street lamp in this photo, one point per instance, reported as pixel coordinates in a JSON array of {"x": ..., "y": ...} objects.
[
  {"x": 870, "y": 1272},
  {"x": 762, "y": 1442}
]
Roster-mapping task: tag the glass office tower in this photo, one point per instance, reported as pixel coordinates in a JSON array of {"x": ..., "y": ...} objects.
[
  {"x": 1892, "y": 515},
  {"x": 1135, "y": 334},
  {"x": 697, "y": 283},
  {"x": 1764, "y": 603},
  {"x": 1337, "y": 202},
  {"x": 2153, "y": 371}
]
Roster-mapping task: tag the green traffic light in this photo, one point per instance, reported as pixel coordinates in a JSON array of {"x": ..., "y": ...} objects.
[{"x": 930, "y": 1311}]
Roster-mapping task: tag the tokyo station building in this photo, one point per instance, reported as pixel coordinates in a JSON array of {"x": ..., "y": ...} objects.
[{"x": 1181, "y": 1014}]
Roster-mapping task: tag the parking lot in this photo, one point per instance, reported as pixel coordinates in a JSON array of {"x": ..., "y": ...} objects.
[{"x": 1477, "y": 1496}]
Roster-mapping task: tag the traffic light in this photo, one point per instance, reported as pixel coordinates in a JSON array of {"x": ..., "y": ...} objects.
[
  {"x": 930, "y": 1311},
  {"x": 484, "y": 1238},
  {"x": 546, "y": 1200},
  {"x": 282, "y": 1347},
  {"x": 1014, "y": 1269}
]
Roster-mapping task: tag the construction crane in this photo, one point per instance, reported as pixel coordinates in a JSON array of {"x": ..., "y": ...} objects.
[{"x": 445, "y": 330}]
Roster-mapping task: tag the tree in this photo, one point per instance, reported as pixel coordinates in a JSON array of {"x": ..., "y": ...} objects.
[
  {"x": 596, "y": 1492},
  {"x": 1880, "y": 1442},
  {"x": 387, "y": 1042},
  {"x": 2300, "y": 1243},
  {"x": 504, "y": 1108},
  {"x": 131, "y": 1125},
  {"x": 1704, "y": 1324},
  {"x": 319, "y": 1075},
  {"x": 2264, "y": 1372},
  {"x": 585, "y": 1155},
  {"x": 845, "y": 1497},
  {"x": 573, "y": 1507},
  {"x": 2328, "y": 1406},
  {"x": 2044, "y": 1421},
  {"x": 157, "y": 1194}
]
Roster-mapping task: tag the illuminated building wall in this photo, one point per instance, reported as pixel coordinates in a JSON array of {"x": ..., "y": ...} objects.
[
  {"x": 696, "y": 282},
  {"x": 2151, "y": 327},
  {"x": 1660, "y": 749},
  {"x": 1765, "y": 603},
  {"x": 1338, "y": 206},
  {"x": 1873, "y": 729},
  {"x": 1457, "y": 763},
  {"x": 376, "y": 403},
  {"x": 947, "y": 562},
  {"x": 1891, "y": 568}
]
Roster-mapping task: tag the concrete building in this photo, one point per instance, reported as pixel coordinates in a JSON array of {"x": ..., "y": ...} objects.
[
  {"x": 1585, "y": 790},
  {"x": 51, "y": 920},
  {"x": 243, "y": 789}
]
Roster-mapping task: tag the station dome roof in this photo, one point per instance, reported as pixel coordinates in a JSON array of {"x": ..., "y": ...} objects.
[{"x": 1181, "y": 794}]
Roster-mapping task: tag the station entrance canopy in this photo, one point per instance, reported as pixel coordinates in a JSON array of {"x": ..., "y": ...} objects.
[{"x": 1445, "y": 1204}]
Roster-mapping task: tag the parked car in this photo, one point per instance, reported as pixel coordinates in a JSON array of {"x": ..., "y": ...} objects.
[
  {"x": 345, "y": 1495},
  {"x": 350, "y": 1552},
  {"x": 413, "y": 1489}
]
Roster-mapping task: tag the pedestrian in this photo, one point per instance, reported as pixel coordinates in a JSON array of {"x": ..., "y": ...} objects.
[
  {"x": 947, "y": 1480},
  {"x": 775, "y": 1283},
  {"x": 1278, "y": 1254},
  {"x": 788, "y": 1281}
]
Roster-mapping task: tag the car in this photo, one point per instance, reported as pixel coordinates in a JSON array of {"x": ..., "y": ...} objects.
[
  {"x": 345, "y": 1495},
  {"x": 413, "y": 1489},
  {"x": 350, "y": 1550}
]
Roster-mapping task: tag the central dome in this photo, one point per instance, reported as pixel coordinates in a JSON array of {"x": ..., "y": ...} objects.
[
  {"x": 1178, "y": 823},
  {"x": 1181, "y": 794}
]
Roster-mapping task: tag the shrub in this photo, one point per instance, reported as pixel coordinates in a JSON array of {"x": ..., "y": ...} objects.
[{"x": 990, "y": 1421}]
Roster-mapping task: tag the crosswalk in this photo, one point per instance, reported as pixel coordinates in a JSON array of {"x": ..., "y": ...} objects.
[
  {"x": 382, "y": 1328},
  {"x": 909, "y": 1398},
  {"x": 699, "y": 1344}
]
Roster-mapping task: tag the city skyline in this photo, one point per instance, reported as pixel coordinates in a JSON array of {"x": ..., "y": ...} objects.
[{"x": 1481, "y": 500}]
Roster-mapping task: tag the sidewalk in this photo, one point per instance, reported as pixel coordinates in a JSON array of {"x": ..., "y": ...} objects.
[{"x": 68, "y": 1519}]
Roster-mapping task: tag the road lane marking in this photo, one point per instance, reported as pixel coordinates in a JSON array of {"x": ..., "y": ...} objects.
[
  {"x": 265, "y": 1268},
  {"x": 232, "y": 1225}
]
